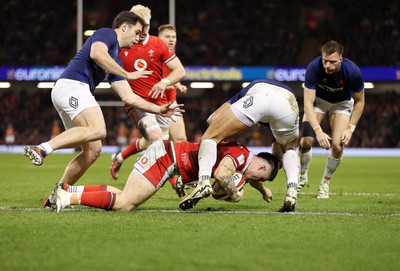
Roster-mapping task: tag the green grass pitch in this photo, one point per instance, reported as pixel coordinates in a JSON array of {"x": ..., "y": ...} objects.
[{"x": 358, "y": 228}]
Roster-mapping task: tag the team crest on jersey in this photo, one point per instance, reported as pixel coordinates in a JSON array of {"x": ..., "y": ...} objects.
[
  {"x": 151, "y": 53},
  {"x": 185, "y": 158},
  {"x": 126, "y": 53},
  {"x": 248, "y": 102},
  {"x": 140, "y": 64}
]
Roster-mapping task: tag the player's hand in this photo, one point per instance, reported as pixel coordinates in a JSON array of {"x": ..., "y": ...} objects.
[
  {"x": 157, "y": 90},
  {"x": 267, "y": 195},
  {"x": 138, "y": 74},
  {"x": 346, "y": 136},
  {"x": 323, "y": 140},
  {"x": 181, "y": 88},
  {"x": 169, "y": 110},
  {"x": 237, "y": 198}
]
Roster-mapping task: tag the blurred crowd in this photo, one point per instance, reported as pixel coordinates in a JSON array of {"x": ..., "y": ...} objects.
[
  {"x": 220, "y": 33},
  {"x": 34, "y": 119},
  {"x": 223, "y": 33}
]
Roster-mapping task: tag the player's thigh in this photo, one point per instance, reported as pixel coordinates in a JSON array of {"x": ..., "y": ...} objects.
[
  {"x": 177, "y": 130},
  {"x": 224, "y": 124},
  {"x": 149, "y": 128},
  {"x": 137, "y": 190}
]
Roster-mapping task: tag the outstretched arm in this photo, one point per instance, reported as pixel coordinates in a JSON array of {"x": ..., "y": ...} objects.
[
  {"x": 224, "y": 177},
  {"x": 265, "y": 192}
]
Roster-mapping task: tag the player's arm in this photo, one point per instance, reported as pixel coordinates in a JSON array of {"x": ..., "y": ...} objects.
[
  {"x": 265, "y": 192},
  {"x": 177, "y": 74},
  {"x": 359, "y": 102},
  {"x": 99, "y": 54},
  {"x": 122, "y": 88},
  {"x": 309, "y": 99},
  {"x": 181, "y": 88},
  {"x": 223, "y": 175}
]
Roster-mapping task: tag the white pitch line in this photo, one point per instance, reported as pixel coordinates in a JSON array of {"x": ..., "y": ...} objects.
[
  {"x": 211, "y": 211},
  {"x": 352, "y": 194}
]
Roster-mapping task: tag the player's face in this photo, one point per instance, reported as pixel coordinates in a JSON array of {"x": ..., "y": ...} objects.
[
  {"x": 131, "y": 35},
  {"x": 331, "y": 62},
  {"x": 169, "y": 37},
  {"x": 144, "y": 33},
  {"x": 258, "y": 170}
]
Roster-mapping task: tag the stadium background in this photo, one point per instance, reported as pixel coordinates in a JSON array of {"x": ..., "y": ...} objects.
[{"x": 213, "y": 34}]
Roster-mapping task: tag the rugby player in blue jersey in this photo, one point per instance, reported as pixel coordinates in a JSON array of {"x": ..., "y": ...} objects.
[
  {"x": 333, "y": 85},
  {"x": 72, "y": 95},
  {"x": 263, "y": 102}
]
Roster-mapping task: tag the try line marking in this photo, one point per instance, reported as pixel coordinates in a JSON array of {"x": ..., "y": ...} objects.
[{"x": 212, "y": 211}]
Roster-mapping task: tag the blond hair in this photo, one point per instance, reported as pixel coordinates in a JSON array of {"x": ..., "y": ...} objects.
[{"x": 143, "y": 12}]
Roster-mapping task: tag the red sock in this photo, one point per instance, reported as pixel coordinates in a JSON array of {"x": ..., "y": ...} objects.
[
  {"x": 99, "y": 199},
  {"x": 173, "y": 180},
  {"x": 132, "y": 149},
  {"x": 93, "y": 188}
]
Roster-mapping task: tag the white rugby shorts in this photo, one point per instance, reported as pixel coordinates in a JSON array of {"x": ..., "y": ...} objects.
[
  {"x": 344, "y": 107},
  {"x": 270, "y": 103},
  {"x": 163, "y": 122},
  {"x": 71, "y": 97}
]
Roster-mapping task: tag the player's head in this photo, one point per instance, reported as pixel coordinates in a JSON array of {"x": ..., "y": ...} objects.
[
  {"x": 144, "y": 13},
  {"x": 263, "y": 167},
  {"x": 332, "y": 53},
  {"x": 167, "y": 33},
  {"x": 128, "y": 27}
]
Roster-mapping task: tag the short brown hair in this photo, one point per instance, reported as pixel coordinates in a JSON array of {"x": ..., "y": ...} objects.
[
  {"x": 127, "y": 17},
  {"x": 331, "y": 47},
  {"x": 166, "y": 27}
]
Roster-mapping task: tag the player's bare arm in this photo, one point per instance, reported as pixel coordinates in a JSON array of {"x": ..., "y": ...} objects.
[
  {"x": 259, "y": 186},
  {"x": 224, "y": 177},
  {"x": 359, "y": 102},
  {"x": 124, "y": 91},
  {"x": 177, "y": 74},
  {"x": 309, "y": 99}
]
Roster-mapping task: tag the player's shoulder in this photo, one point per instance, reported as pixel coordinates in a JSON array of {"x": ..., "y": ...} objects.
[
  {"x": 104, "y": 31},
  {"x": 315, "y": 63},
  {"x": 350, "y": 68}
]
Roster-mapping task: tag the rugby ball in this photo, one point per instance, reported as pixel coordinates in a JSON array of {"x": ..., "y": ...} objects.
[{"x": 220, "y": 194}]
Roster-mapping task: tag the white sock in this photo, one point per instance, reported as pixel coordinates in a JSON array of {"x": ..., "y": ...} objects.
[
  {"x": 119, "y": 157},
  {"x": 75, "y": 189},
  {"x": 291, "y": 165},
  {"x": 46, "y": 147},
  {"x": 207, "y": 158},
  {"x": 305, "y": 159},
  {"x": 331, "y": 165}
]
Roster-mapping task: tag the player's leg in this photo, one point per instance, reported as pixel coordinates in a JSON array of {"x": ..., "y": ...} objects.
[
  {"x": 224, "y": 124},
  {"x": 339, "y": 123},
  {"x": 305, "y": 149},
  {"x": 177, "y": 130},
  {"x": 284, "y": 124},
  {"x": 89, "y": 125},
  {"x": 151, "y": 131},
  {"x": 81, "y": 116},
  {"x": 137, "y": 190}
]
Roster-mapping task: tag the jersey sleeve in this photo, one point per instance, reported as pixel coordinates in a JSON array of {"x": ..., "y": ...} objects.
[
  {"x": 311, "y": 76},
  {"x": 356, "y": 84}
]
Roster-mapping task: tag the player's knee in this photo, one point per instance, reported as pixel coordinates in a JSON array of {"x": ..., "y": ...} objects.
[
  {"x": 306, "y": 143},
  {"x": 124, "y": 204},
  {"x": 98, "y": 133},
  {"x": 337, "y": 148}
]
